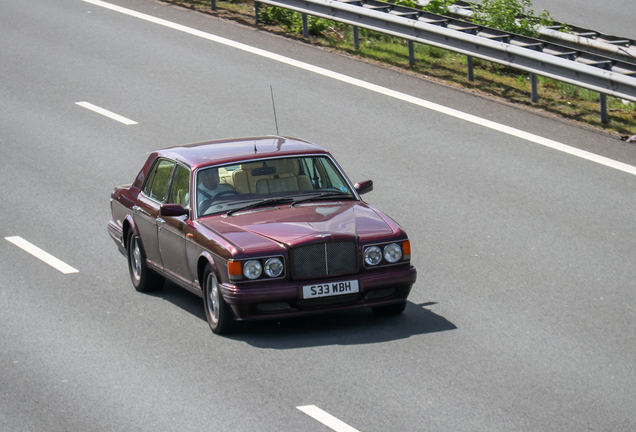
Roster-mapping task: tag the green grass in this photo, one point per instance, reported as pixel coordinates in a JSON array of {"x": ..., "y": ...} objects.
[{"x": 557, "y": 98}]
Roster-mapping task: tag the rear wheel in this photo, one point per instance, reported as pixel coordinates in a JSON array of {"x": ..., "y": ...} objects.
[
  {"x": 217, "y": 311},
  {"x": 392, "y": 309},
  {"x": 143, "y": 279}
]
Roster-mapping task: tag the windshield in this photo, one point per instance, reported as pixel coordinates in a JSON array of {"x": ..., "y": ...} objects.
[{"x": 232, "y": 188}]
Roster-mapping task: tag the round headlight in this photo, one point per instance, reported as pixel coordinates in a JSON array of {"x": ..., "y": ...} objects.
[
  {"x": 252, "y": 269},
  {"x": 273, "y": 267},
  {"x": 392, "y": 253},
  {"x": 372, "y": 255}
]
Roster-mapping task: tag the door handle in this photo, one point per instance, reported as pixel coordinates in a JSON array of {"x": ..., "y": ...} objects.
[{"x": 138, "y": 209}]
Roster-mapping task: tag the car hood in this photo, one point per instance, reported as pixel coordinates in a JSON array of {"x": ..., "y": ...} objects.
[{"x": 284, "y": 224}]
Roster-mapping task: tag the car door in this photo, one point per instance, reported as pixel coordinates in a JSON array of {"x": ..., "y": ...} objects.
[
  {"x": 172, "y": 229},
  {"x": 146, "y": 209}
]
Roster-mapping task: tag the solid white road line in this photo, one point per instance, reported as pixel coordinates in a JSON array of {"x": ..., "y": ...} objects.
[
  {"x": 378, "y": 89},
  {"x": 44, "y": 256},
  {"x": 106, "y": 113},
  {"x": 326, "y": 418}
]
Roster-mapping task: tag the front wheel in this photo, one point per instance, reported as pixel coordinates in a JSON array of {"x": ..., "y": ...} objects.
[
  {"x": 217, "y": 311},
  {"x": 392, "y": 309},
  {"x": 143, "y": 279}
]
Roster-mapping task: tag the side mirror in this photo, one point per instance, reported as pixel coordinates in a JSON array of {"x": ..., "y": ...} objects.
[
  {"x": 173, "y": 210},
  {"x": 364, "y": 186}
]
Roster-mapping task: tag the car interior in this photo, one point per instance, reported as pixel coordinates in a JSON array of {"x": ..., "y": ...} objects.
[{"x": 263, "y": 177}]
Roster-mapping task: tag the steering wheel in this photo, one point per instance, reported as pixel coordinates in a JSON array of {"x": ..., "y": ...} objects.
[
  {"x": 207, "y": 203},
  {"x": 220, "y": 194}
]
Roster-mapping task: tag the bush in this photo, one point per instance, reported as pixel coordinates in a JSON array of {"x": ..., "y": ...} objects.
[
  {"x": 293, "y": 22},
  {"x": 407, "y": 3},
  {"x": 514, "y": 16},
  {"x": 439, "y": 7}
]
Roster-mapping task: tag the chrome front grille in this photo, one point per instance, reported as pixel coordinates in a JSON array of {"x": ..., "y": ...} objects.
[{"x": 325, "y": 259}]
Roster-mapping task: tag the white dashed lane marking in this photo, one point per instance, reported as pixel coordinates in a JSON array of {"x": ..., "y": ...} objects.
[
  {"x": 42, "y": 255},
  {"x": 106, "y": 113},
  {"x": 326, "y": 418}
]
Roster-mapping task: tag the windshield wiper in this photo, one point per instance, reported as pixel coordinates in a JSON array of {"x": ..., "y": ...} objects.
[
  {"x": 321, "y": 195},
  {"x": 261, "y": 203}
]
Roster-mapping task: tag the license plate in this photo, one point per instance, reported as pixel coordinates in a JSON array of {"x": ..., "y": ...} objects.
[{"x": 330, "y": 289}]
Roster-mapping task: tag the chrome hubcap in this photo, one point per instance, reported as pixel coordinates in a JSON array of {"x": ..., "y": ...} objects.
[
  {"x": 213, "y": 297},
  {"x": 135, "y": 261}
]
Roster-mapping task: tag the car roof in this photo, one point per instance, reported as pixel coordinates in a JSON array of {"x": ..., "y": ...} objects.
[{"x": 234, "y": 150}]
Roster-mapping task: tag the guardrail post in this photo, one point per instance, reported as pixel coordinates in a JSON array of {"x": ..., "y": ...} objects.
[
  {"x": 411, "y": 53},
  {"x": 356, "y": 38},
  {"x": 305, "y": 27},
  {"x": 213, "y": 4},
  {"x": 535, "y": 92},
  {"x": 255, "y": 13},
  {"x": 604, "y": 117},
  {"x": 471, "y": 72}
]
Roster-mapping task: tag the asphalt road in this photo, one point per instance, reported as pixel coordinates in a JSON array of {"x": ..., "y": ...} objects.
[
  {"x": 613, "y": 17},
  {"x": 523, "y": 317}
]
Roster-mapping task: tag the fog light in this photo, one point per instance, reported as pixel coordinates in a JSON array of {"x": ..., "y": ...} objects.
[
  {"x": 272, "y": 307},
  {"x": 381, "y": 293}
]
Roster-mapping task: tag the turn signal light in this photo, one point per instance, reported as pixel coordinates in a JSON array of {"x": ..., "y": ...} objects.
[
  {"x": 234, "y": 269},
  {"x": 406, "y": 250}
]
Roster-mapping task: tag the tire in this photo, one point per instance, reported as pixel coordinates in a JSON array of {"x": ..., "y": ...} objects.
[
  {"x": 217, "y": 311},
  {"x": 392, "y": 309},
  {"x": 143, "y": 279}
]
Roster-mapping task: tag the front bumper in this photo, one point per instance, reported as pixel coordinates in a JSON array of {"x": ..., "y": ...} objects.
[
  {"x": 376, "y": 288},
  {"x": 117, "y": 234}
]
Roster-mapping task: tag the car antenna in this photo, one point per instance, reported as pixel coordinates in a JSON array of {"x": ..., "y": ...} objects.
[{"x": 271, "y": 90}]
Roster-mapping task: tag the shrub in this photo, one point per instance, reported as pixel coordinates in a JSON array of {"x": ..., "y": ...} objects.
[
  {"x": 514, "y": 16},
  {"x": 293, "y": 22},
  {"x": 440, "y": 7}
]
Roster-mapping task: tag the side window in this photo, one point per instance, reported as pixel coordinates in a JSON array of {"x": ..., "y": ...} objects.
[
  {"x": 157, "y": 185},
  {"x": 151, "y": 175},
  {"x": 179, "y": 191}
]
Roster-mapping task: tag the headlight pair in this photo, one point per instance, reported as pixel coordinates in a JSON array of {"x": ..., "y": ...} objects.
[
  {"x": 391, "y": 253},
  {"x": 254, "y": 269}
]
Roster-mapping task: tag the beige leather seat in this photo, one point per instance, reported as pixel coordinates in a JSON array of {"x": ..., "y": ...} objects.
[
  {"x": 280, "y": 175},
  {"x": 243, "y": 179},
  {"x": 286, "y": 179}
]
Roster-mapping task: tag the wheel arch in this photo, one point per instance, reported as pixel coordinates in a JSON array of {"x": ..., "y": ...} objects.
[
  {"x": 204, "y": 260},
  {"x": 128, "y": 225}
]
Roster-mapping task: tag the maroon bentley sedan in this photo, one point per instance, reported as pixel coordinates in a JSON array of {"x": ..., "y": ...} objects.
[{"x": 265, "y": 227}]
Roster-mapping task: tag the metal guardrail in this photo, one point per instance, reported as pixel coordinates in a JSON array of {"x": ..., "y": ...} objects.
[
  {"x": 579, "y": 38},
  {"x": 615, "y": 47},
  {"x": 538, "y": 57}
]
